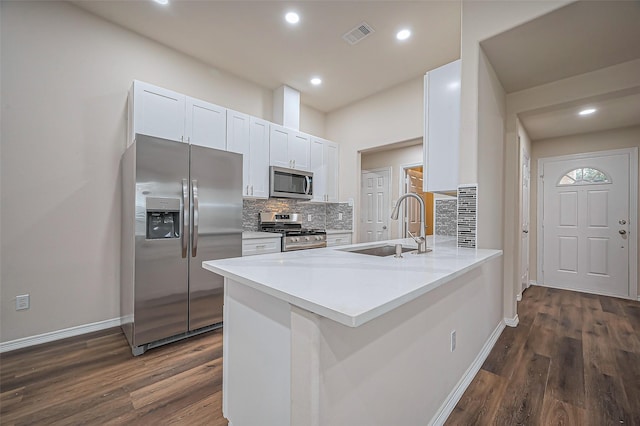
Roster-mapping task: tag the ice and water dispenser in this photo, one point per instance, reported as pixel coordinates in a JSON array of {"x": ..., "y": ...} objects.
[{"x": 163, "y": 218}]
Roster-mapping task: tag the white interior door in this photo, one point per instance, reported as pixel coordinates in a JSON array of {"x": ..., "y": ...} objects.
[
  {"x": 585, "y": 223},
  {"x": 524, "y": 222},
  {"x": 375, "y": 205}
]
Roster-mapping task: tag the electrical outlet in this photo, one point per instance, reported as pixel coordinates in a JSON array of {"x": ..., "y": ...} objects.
[
  {"x": 339, "y": 216},
  {"x": 453, "y": 340},
  {"x": 309, "y": 218},
  {"x": 22, "y": 302}
]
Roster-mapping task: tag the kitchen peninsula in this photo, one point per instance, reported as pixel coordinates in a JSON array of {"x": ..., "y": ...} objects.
[{"x": 329, "y": 336}]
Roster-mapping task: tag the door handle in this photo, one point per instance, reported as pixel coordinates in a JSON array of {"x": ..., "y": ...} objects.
[
  {"x": 384, "y": 227},
  {"x": 185, "y": 217},
  {"x": 194, "y": 247},
  {"x": 622, "y": 232},
  {"x": 308, "y": 185},
  {"x": 526, "y": 231}
]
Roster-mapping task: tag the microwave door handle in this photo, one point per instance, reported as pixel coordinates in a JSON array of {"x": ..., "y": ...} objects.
[
  {"x": 308, "y": 186},
  {"x": 185, "y": 217},
  {"x": 196, "y": 213}
]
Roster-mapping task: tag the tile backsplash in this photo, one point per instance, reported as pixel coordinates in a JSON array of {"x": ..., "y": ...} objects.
[
  {"x": 446, "y": 217},
  {"x": 323, "y": 215},
  {"x": 467, "y": 217}
]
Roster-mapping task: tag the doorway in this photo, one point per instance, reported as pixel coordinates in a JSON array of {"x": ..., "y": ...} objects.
[
  {"x": 588, "y": 209},
  {"x": 524, "y": 221},
  {"x": 375, "y": 211},
  {"x": 412, "y": 182}
]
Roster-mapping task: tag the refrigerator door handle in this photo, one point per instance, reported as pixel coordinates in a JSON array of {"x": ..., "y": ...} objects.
[
  {"x": 185, "y": 217},
  {"x": 194, "y": 248}
]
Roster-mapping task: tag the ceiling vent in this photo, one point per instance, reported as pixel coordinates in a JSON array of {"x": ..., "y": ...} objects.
[{"x": 358, "y": 33}]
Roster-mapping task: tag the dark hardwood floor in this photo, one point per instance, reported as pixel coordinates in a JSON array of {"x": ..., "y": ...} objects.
[
  {"x": 93, "y": 379},
  {"x": 574, "y": 359}
]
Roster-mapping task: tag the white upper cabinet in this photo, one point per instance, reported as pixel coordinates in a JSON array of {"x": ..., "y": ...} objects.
[
  {"x": 288, "y": 148},
  {"x": 205, "y": 124},
  {"x": 324, "y": 165},
  {"x": 249, "y": 136},
  {"x": 162, "y": 113},
  {"x": 156, "y": 112},
  {"x": 259, "y": 158},
  {"x": 442, "y": 127}
]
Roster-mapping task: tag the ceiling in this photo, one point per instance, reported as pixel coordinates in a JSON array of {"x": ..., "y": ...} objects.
[
  {"x": 250, "y": 39},
  {"x": 582, "y": 37}
]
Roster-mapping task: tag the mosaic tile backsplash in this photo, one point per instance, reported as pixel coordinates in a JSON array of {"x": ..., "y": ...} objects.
[
  {"x": 467, "y": 215},
  {"x": 446, "y": 217},
  {"x": 323, "y": 215}
]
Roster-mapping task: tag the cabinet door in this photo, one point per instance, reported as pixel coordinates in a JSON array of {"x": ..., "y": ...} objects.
[
  {"x": 259, "y": 158},
  {"x": 205, "y": 124},
  {"x": 442, "y": 127},
  {"x": 331, "y": 158},
  {"x": 299, "y": 150},
  {"x": 279, "y": 146},
  {"x": 158, "y": 112},
  {"x": 317, "y": 161},
  {"x": 238, "y": 140}
]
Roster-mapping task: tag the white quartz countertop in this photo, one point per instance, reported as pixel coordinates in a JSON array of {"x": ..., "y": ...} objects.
[
  {"x": 339, "y": 231},
  {"x": 251, "y": 235},
  {"x": 352, "y": 288}
]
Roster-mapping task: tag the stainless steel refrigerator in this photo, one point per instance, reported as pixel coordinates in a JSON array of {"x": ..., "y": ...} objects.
[{"x": 182, "y": 204}]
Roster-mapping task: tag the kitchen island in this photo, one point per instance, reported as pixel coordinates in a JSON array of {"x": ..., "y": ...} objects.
[{"x": 330, "y": 336}]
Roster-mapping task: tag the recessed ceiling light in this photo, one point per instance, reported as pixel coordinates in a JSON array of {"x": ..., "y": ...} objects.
[
  {"x": 292, "y": 17},
  {"x": 403, "y": 34},
  {"x": 587, "y": 111},
  {"x": 316, "y": 81},
  {"x": 162, "y": 1}
]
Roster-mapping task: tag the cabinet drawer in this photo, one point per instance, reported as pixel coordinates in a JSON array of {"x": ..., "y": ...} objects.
[
  {"x": 260, "y": 246},
  {"x": 338, "y": 239}
]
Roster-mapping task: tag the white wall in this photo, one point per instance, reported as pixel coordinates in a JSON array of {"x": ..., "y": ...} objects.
[
  {"x": 395, "y": 158},
  {"x": 391, "y": 116},
  {"x": 64, "y": 80},
  {"x": 590, "y": 142}
]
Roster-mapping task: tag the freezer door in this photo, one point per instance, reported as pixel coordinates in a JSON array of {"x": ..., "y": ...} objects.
[
  {"x": 161, "y": 271},
  {"x": 216, "y": 199}
]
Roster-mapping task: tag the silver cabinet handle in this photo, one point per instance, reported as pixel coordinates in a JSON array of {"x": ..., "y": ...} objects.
[
  {"x": 251, "y": 189},
  {"x": 185, "y": 216},
  {"x": 194, "y": 247},
  {"x": 622, "y": 232}
]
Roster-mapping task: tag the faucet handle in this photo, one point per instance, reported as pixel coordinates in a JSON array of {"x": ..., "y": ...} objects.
[
  {"x": 417, "y": 239},
  {"x": 421, "y": 241}
]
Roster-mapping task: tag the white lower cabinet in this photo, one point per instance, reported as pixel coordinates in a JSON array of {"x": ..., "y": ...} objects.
[
  {"x": 256, "y": 246},
  {"x": 338, "y": 238}
]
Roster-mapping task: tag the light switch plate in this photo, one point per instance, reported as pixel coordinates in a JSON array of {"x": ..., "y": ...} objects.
[{"x": 22, "y": 302}]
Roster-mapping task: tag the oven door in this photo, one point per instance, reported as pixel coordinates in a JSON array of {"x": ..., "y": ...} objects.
[
  {"x": 290, "y": 183},
  {"x": 301, "y": 243}
]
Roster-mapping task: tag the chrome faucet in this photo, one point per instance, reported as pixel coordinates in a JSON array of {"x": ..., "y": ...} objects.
[{"x": 422, "y": 239}]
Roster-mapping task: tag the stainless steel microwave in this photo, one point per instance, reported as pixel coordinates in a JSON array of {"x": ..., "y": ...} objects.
[{"x": 290, "y": 183}]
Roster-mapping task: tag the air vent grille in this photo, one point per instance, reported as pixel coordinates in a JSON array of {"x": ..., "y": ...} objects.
[{"x": 358, "y": 33}]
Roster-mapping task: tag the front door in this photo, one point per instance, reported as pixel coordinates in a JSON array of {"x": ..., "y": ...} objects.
[
  {"x": 586, "y": 223},
  {"x": 524, "y": 223},
  {"x": 375, "y": 211}
]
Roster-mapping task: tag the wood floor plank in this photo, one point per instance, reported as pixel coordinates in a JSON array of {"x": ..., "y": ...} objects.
[
  {"x": 606, "y": 401},
  {"x": 629, "y": 371},
  {"x": 570, "y": 321},
  {"x": 566, "y": 372},
  {"x": 480, "y": 402},
  {"x": 561, "y": 413},
  {"x": 611, "y": 305},
  {"x": 523, "y": 397},
  {"x": 506, "y": 353}
]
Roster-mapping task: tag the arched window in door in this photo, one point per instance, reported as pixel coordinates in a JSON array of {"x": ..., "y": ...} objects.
[{"x": 584, "y": 176}]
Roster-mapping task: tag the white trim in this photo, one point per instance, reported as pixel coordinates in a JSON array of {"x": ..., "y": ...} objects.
[
  {"x": 59, "y": 334},
  {"x": 512, "y": 322},
  {"x": 519, "y": 297},
  {"x": 633, "y": 210},
  {"x": 454, "y": 397},
  {"x": 532, "y": 282}
]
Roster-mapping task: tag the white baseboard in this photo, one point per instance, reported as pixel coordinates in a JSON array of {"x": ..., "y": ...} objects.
[
  {"x": 454, "y": 397},
  {"x": 532, "y": 283},
  {"x": 59, "y": 334},
  {"x": 512, "y": 322}
]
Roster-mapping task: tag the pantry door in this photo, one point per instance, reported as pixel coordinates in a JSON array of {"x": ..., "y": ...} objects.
[
  {"x": 375, "y": 211},
  {"x": 586, "y": 222}
]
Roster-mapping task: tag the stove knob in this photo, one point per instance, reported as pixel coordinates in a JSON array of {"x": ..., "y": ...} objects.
[
  {"x": 296, "y": 239},
  {"x": 306, "y": 238},
  {"x": 318, "y": 238}
]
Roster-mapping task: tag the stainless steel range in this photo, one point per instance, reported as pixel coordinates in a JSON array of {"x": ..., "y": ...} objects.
[{"x": 295, "y": 236}]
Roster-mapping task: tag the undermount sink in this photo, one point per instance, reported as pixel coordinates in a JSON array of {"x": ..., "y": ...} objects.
[{"x": 382, "y": 251}]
